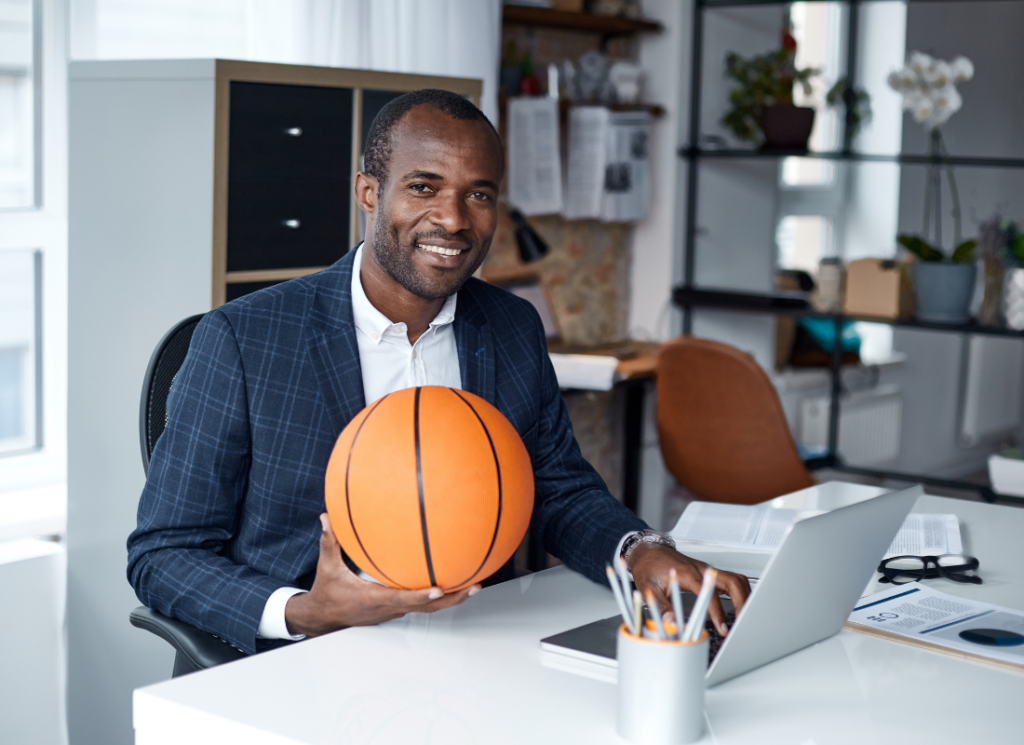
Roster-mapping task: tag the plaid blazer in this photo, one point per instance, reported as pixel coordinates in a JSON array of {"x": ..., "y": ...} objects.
[{"x": 230, "y": 509}]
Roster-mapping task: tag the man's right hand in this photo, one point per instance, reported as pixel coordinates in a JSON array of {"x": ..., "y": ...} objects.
[{"x": 339, "y": 598}]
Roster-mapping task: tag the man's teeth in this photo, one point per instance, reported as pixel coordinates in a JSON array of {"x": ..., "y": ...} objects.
[{"x": 439, "y": 250}]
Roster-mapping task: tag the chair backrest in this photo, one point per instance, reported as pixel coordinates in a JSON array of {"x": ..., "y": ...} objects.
[
  {"x": 156, "y": 386},
  {"x": 722, "y": 430}
]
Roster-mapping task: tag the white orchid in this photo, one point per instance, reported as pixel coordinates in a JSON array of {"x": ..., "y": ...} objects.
[{"x": 928, "y": 87}]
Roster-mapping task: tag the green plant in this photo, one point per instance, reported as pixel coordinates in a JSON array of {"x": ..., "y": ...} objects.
[
  {"x": 856, "y": 101},
  {"x": 1013, "y": 244},
  {"x": 963, "y": 251},
  {"x": 763, "y": 80}
]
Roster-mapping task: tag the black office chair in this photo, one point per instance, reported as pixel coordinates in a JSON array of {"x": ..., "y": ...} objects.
[{"x": 194, "y": 649}]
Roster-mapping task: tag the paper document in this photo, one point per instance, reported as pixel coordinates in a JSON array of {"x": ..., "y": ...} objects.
[
  {"x": 585, "y": 166},
  {"x": 763, "y": 527},
  {"x": 534, "y": 156},
  {"x": 919, "y": 615},
  {"x": 627, "y": 173},
  {"x": 585, "y": 371}
]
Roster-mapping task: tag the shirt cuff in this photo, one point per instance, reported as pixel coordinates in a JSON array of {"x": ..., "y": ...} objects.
[
  {"x": 622, "y": 542},
  {"x": 272, "y": 623}
]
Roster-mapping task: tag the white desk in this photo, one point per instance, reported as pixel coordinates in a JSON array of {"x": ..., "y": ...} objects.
[{"x": 473, "y": 674}]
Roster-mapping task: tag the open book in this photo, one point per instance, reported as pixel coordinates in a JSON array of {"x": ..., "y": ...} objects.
[{"x": 762, "y": 527}]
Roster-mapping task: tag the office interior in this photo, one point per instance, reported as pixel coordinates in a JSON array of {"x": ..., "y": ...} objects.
[{"x": 107, "y": 136}]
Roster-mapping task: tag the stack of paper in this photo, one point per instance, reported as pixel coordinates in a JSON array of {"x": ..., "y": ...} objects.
[
  {"x": 762, "y": 527},
  {"x": 916, "y": 614},
  {"x": 587, "y": 372}
]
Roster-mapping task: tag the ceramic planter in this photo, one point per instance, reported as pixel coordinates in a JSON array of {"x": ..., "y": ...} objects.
[
  {"x": 1013, "y": 299},
  {"x": 786, "y": 127},
  {"x": 943, "y": 290}
]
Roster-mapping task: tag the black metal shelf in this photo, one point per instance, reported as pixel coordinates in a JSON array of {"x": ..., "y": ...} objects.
[
  {"x": 970, "y": 161},
  {"x": 792, "y": 304},
  {"x": 741, "y": 3}
]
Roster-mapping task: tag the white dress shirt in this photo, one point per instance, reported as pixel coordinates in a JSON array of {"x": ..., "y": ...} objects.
[{"x": 388, "y": 363}]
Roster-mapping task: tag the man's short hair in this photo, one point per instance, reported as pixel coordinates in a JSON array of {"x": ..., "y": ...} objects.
[{"x": 380, "y": 136}]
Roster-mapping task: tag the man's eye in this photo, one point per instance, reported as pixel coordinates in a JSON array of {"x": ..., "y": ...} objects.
[
  {"x": 420, "y": 188},
  {"x": 484, "y": 196}
]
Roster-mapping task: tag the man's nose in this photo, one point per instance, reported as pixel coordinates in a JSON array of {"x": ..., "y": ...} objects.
[{"x": 450, "y": 213}]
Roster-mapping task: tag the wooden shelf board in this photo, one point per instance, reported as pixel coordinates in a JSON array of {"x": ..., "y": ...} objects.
[
  {"x": 546, "y": 17},
  {"x": 271, "y": 275}
]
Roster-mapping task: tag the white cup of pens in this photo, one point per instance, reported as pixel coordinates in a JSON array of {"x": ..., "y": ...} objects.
[{"x": 661, "y": 668}]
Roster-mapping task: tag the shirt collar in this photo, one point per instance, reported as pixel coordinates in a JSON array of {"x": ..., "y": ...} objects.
[{"x": 371, "y": 321}]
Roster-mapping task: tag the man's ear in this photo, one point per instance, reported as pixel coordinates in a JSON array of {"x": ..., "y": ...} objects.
[{"x": 366, "y": 193}]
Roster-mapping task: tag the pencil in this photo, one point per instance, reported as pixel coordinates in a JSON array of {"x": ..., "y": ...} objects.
[
  {"x": 627, "y": 590},
  {"x": 638, "y": 613},
  {"x": 613, "y": 581},
  {"x": 700, "y": 609},
  {"x": 677, "y": 602},
  {"x": 656, "y": 615}
]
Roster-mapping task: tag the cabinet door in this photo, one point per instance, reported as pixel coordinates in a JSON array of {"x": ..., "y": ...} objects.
[
  {"x": 287, "y": 223},
  {"x": 289, "y": 131}
]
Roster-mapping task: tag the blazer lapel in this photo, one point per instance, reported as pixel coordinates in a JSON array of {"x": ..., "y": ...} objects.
[
  {"x": 331, "y": 339},
  {"x": 475, "y": 345}
]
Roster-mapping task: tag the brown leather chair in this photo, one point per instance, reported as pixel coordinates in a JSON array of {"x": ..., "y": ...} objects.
[{"x": 723, "y": 434}]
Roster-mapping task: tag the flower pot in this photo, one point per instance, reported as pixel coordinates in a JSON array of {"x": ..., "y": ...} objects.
[
  {"x": 943, "y": 290},
  {"x": 786, "y": 127},
  {"x": 1013, "y": 299}
]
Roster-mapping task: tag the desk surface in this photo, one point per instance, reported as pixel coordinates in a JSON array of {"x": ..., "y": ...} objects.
[{"x": 474, "y": 674}]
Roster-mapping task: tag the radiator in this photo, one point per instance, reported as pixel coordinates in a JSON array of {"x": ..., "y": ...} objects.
[
  {"x": 992, "y": 386},
  {"x": 869, "y": 425}
]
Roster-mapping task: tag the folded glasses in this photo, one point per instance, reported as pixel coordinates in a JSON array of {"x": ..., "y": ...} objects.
[{"x": 956, "y": 567}]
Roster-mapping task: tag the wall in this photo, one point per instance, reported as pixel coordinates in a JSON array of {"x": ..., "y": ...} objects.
[{"x": 32, "y": 662}]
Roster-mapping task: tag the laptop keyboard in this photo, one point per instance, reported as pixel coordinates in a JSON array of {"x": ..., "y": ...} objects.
[{"x": 714, "y": 638}]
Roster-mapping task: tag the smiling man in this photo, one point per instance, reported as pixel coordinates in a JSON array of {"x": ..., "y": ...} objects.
[{"x": 231, "y": 533}]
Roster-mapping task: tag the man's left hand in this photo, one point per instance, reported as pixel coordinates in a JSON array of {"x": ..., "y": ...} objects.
[{"x": 651, "y": 565}]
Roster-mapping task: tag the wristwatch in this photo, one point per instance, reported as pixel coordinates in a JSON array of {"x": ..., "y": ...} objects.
[{"x": 645, "y": 536}]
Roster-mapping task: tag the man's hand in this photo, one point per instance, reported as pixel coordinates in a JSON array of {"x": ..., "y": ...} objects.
[
  {"x": 339, "y": 598},
  {"x": 651, "y": 565}
]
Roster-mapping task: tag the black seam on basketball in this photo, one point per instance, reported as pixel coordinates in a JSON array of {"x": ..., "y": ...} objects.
[
  {"x": 497, "y": 468},
  {"x": 348, "y": 505},
  {"x": 419, "y": 486}
]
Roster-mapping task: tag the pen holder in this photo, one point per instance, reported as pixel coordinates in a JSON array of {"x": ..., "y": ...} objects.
[{"x": 661, "y": 689}]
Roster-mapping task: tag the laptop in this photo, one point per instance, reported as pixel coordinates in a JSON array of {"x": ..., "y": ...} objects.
[{"x": 806, "y": 592}]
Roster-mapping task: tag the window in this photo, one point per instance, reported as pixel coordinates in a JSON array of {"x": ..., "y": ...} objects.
[
  {"x": 20, "y": 404},
  {"x": 18, "y": 151}
]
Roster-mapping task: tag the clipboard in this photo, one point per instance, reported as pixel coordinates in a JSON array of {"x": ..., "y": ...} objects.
[{"x": 933, "y": 646}]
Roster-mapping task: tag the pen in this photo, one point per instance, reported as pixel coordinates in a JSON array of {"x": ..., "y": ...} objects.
[
  {"x": 677, "y": 603},
  {"x": 656, "y": 615},
  {"x": 613, "y": 580},
  {"x": 700, "y": 609},
  {"x": 638, "y": 613}
]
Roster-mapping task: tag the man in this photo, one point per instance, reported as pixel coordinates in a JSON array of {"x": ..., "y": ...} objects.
[{"x": 231, "y": 530}]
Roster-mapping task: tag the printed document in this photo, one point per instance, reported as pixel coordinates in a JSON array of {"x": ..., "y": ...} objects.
[
  {"x": 534, "y": 156},
  {"x": 920, "y": 615},
  {"x": 589, "y": 128},
  {"x": 763, "y": 527}
]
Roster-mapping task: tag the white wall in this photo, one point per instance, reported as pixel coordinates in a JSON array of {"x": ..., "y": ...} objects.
[{"x": 32, "y": 669}]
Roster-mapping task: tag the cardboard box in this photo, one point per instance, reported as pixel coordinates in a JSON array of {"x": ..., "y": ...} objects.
[{"x": 878, "y": 287}]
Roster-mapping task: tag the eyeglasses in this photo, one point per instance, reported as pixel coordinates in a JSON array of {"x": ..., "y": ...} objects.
[{"x": 902, "y": 569}]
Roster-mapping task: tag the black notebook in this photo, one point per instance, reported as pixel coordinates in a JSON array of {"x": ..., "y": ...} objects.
[{"x": 595, "y": 642}]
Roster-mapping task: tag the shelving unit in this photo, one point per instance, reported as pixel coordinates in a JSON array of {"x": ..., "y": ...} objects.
[{"x": 688, "y": 296}]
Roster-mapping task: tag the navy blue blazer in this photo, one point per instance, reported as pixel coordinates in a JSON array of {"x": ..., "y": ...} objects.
[{"x": 230, "y": 510}]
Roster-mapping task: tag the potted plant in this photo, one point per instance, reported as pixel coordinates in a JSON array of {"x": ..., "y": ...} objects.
[
  {"x": 943, "y": 284},
  {"x": 761, "y": 101},
  {"x": 1011, "y": 249}
]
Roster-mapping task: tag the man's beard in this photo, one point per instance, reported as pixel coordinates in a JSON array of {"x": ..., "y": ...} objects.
[{"x": 400, "y": 267}]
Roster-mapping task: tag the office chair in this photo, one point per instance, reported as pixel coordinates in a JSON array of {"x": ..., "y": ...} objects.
[
  {"x": 722, "y": 430},
  {"x": 194, "y": 649}
]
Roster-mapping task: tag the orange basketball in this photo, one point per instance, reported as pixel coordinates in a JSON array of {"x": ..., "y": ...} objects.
[{"x": 429, "y": 487}]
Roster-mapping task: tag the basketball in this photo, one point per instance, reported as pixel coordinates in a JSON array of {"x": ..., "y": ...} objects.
[{"x": 429, "y": 487}]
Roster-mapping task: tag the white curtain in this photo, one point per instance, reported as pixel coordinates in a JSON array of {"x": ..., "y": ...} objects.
[{"x": 459, "y": 38}]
